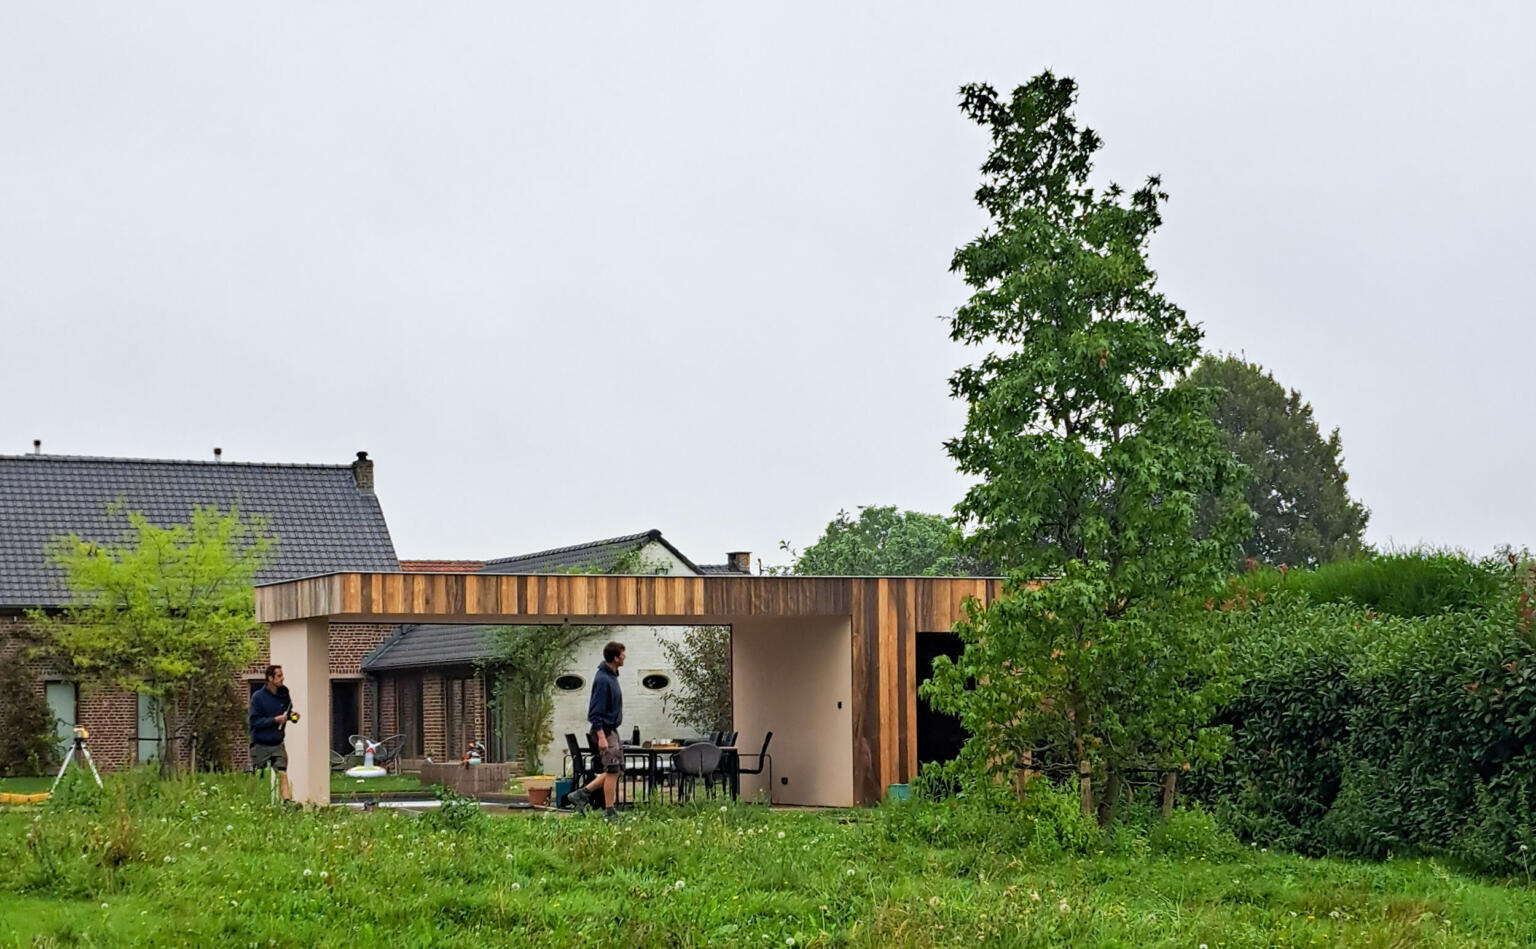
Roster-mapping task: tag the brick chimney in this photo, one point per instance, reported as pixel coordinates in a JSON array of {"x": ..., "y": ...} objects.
[
  {"x": 362, "y": 471},
  {"x": 740, "y": 561}
]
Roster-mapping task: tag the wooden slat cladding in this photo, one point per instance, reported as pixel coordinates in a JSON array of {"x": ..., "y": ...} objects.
[
  {"x": 428, "y": 597},
  {"x": 887, "y": 615}
]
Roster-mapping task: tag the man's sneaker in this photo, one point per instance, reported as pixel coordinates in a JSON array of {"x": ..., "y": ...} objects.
[
  {"x": 578, "y": 800},
  {"x": 611, "y": 814}
]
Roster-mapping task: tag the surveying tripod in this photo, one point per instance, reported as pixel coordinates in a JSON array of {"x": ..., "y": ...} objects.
[{"x": 85, "y": 755}]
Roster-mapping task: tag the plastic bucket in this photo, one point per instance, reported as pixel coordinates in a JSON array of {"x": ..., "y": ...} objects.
[
  {"x": 563, "y": 786},
  {"x": 898, "y": 792}
]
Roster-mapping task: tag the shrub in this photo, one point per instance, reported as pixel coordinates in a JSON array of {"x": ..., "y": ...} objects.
[
  {"x": 455, "y": 811},
  {"x": 1368, "y": 734},
  {"x": 1406, "y": 583},
  {"x": 1501, "y": 836},
  {"x": 1053, "y": 820},
  {"x": 27, "y": 741},
  {"x": 1192, "y": 832},
  {"x": 1046, "y": 822}
]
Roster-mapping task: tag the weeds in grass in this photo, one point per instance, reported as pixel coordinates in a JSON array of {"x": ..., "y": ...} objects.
[{"x": 212, "y": 862}]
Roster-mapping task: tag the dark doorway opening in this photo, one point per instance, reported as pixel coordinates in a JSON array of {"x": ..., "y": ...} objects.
[
  {"x": 939, "y": 736},
  {"x": 345, "y": 717}
]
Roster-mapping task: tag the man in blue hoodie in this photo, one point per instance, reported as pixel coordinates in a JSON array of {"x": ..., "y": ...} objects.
[
  {"x": 605, "y": 712},
  {"x": 270, "y": 711}
]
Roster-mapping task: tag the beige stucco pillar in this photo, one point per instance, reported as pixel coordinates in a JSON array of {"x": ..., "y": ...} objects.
[
  {"x": 302, "y": 648},
  {"x": 794, "y": 677}
]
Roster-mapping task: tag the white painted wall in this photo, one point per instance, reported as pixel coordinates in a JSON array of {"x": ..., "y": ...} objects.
[
  {"x": 643, "y": 657},
  {"x": 642, "y": 706}
]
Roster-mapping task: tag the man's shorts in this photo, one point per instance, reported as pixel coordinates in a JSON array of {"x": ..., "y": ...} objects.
[
  {"x": 264, "y": 755},
  {"x": 612, "y": 757}
]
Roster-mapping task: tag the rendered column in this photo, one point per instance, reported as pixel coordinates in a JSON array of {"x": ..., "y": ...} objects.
[{"x": 302, "y": 648}]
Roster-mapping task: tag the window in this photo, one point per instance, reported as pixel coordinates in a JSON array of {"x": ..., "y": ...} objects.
[
  {"x": 62, "y": 699},
  {"x": 149, "y": 728},
  {"x": 408, "y": 717},
  {"x": 569, "y": 683},
  {"x": 458, "y": 715},
  {"x": 655, "y": 681}
]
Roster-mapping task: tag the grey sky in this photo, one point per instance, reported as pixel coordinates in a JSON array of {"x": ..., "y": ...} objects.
[{"x": 579, "y": 270}]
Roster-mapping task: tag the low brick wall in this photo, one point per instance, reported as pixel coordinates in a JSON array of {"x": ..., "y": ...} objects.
[{"x": 470, "y": 779}]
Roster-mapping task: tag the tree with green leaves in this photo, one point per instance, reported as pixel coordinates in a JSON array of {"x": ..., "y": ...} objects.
[
  {"x": 701, "y": 666},
  {"x": 1297, "y": 488},
  {"x": 1090, "y": 462},
  {"x": 525, "y": 661},
  {"x": 28, "y": 742},
  {"x": 885, "y": 542},
  {"x": 167, "y": 612}
]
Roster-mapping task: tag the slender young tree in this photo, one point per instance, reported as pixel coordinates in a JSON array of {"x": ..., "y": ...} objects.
[
  {"x": 1089, "y": 462},
  {"x": 169, "y": 612}
]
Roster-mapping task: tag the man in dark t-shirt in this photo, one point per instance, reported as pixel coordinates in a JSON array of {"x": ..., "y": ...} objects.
[{"x": 270, "y": 711}]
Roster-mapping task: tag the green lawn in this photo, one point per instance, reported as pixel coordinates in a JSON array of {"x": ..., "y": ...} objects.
[
  {"x": 25, "y": 785},
  {"x": 341, "y": 784},
  {"x": 210, "y": 863}
]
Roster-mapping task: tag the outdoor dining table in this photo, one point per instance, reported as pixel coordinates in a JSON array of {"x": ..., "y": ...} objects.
[{"x": 729, "y": 763}]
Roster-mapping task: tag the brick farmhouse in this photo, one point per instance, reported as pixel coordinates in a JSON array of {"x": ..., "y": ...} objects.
[{"x": 424, "y": 683}]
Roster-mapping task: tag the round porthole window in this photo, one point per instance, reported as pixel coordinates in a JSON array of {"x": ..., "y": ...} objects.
[
  {"x": 569, "y": 683},
  {"x": 655, "y": 681}
]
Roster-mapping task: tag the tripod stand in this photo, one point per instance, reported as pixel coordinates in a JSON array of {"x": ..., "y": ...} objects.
[{"x": 85, "y": 755}]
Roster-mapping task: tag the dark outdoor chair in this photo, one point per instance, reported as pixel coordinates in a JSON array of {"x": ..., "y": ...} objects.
[
  {"x": 696, "y": 761},
  {"x": 580, "y": 773},
  {"x": 730, "y": 739},
  {"x": 764, "y": 760}
]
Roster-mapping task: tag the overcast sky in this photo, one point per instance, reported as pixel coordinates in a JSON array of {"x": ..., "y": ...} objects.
[{"x": 568, "y": 271}]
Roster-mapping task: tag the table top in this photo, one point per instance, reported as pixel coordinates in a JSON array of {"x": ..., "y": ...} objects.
[{"x": 629, "y": 747}]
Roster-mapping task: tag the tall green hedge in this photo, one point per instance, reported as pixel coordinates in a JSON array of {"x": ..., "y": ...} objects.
[
  {"x": 1363, "y": 733},
  {"x": 1411, "y": 583}
]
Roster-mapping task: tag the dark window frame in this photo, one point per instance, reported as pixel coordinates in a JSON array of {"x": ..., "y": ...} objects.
[{"x": 409, "y": 705}]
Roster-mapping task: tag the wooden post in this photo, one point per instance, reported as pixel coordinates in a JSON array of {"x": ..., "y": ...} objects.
[
  {"x": 1111, "y": 797},
  {"x": 1170, "y": 786}
]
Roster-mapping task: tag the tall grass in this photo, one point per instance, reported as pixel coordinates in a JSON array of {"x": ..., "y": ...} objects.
[{"x": 210, "y": 862}]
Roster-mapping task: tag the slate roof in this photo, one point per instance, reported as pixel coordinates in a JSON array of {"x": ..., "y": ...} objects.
[
  {"x": 418, "y": 645},
  {"x": 322, "y": 520},
  {"x": 598, "y": 556}
]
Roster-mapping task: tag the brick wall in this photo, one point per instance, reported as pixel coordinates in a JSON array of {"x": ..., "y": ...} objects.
[
  {"x": 433, "y": 739},
  {"x": 112, "y": 716},
  {"x": 459, "y": 695}
]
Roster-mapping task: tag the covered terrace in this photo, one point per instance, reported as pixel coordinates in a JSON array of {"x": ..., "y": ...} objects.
[{"x": 829, "y": 664}]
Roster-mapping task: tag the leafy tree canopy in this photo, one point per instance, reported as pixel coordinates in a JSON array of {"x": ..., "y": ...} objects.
[
  {"x": 885, "y": 542},
  {"x": 701, "y": 665},
  {"x": 168, "y": 612},
  {"x": 1090, "y": 463},
  {"x": 1297, "y": 488}
]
